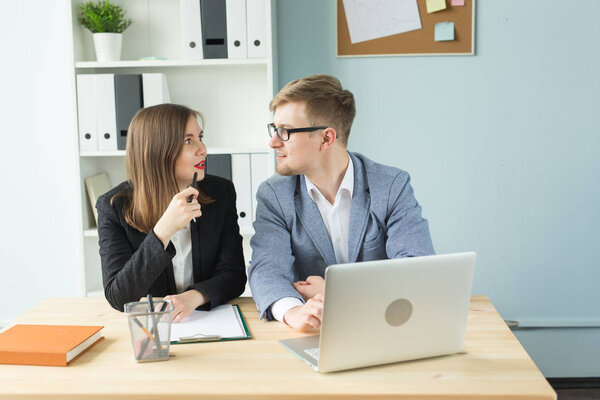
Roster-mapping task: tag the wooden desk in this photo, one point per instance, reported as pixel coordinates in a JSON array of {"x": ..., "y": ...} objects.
[{"x": 493, "y": 365}]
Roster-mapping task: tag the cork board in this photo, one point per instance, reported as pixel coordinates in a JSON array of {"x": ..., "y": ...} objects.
[{"x": 418, "y": 42}]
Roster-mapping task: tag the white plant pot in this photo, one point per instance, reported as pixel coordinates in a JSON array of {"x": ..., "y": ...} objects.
[{"x": 108, "y": 46}]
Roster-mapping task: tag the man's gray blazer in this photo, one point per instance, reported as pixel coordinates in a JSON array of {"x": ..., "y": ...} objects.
[{"x": 291, "y": 242}]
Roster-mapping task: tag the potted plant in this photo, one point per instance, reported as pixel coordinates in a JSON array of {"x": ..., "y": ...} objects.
[{"x": 107, "y": 22}]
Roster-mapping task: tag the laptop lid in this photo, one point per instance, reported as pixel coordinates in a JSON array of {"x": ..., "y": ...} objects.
[{"x": 379, "y": 312}]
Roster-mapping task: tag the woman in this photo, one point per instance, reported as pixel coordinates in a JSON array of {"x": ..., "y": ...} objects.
[{"x": 159, "y": 235}]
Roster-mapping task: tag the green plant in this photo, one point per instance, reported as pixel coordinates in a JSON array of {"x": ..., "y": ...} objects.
[{"x": 103, "y": 16}]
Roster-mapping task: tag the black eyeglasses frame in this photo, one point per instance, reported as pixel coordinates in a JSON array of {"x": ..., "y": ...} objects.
[{"x": 272, "y": 128}]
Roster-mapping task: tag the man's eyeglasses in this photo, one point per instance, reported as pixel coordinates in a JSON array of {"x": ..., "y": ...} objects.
[{"x": 284, "y": 133}]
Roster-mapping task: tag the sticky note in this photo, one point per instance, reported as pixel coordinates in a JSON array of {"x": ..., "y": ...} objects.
[
  {"x": 458, "y": 3},
  {"x": 435, "y": 5},
  {"x": 444, "y": 31}
]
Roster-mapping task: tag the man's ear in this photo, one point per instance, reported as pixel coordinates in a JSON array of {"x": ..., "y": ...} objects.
[{"x": 329, "y": 138}]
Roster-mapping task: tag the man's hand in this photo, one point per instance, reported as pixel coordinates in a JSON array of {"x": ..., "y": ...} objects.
[
  {"x": 185, "y": 303},
  {"x": 307, "y": 316},
  {"x": 309, "y": 288}
]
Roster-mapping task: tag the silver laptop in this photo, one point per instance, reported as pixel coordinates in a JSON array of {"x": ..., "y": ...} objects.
[{"x": 379, "y": 312}]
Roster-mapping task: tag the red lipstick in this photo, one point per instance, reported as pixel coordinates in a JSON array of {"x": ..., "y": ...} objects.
[{"x": 201, "y": 165}]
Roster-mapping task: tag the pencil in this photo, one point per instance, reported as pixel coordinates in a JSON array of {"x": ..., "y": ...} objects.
[{"x": 138, "y": 323}]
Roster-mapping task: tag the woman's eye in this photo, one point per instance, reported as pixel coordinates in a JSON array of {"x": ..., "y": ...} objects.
[{"x": 188, "y": 141}]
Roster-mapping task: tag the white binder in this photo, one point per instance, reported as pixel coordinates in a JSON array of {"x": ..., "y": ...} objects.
[
  {"x": 191, "y": 29},
  {"x": 86, "y": 112},
  {"x": 261, "y": 171},
  {"x": 106, "y": 112},
  {"x": 155, "y": 89},
  {"x": 241, "y": 177},
  {"x": 257, "y": 28},
  {"x": 236, "y": 29}
]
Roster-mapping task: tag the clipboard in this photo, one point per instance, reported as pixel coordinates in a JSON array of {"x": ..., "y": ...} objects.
[{"x": 223, "y": 323}]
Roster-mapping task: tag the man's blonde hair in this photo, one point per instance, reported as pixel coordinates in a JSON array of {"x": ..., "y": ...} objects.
[{"x": 326, "y": 102}]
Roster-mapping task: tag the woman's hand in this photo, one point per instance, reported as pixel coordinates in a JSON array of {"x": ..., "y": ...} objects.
[
  {"x": 185, "y": 303},
  {"x": 178, "y": 214}
]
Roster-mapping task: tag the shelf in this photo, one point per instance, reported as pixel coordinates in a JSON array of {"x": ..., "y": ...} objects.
[
  {"x": 95, "y": 293},
  {"x": 210, "y": 150},
  {"x": 170, "y": 63},
  {"x": 90, "y": 233},
  {"x": 115, "y": 153},
  {"x": 237, "y": 150}
]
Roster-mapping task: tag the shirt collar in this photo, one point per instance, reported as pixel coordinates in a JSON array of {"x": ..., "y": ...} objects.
[{"x": 347, "y": 183}]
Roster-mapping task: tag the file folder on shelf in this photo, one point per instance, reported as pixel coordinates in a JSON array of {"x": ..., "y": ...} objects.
[
  {"x": 219, "y": 165},
  {"x": 261, "y": 171},
  {"x": 236, "y": 29},
  {"x": 191, "y": 29},
  {"x": 257, "y": 28},
  {"x": 214, "y": 28},
  {"x": 106, "y": 112},
  {"x": 86, "y": 112},
  {"x": 96, "y": 186},
  {"x": 155, "y": 89},
  {"x": 128, "y": 100},
  {"x": 241, "y": 177}
]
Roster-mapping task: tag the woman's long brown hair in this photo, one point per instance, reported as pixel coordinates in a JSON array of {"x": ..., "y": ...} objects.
[{"x": 155, "y": 141}]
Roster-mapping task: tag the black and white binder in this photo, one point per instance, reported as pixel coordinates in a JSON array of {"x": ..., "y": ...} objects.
[
  {"x": 257, "y": 28},
  {"x": 128, "y": 100},
  {"x": 219, "y": 165},
  {"x": 86, "y": 112},
  {"x": 191, "y": 29},
  {"x": 214, "y": 28},
  {"x": 236, "y": 29}
]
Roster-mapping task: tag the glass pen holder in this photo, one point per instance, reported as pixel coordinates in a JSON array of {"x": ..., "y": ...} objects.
[{"x": 150, "y": 330}]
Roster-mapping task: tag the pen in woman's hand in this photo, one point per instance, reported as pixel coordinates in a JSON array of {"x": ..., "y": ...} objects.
[{"x": 191, "y": 196}]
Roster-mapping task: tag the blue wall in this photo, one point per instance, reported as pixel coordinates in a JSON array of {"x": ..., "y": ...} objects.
[{"x": 502, "y": 148}]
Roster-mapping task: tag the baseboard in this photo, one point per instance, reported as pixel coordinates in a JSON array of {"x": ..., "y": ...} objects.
[{"x": 575, "y": 383}]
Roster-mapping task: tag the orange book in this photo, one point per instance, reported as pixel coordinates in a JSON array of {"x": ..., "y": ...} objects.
[{"x": 46, "y": 344}]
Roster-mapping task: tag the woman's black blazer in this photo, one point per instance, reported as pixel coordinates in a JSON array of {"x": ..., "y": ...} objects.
[{"x": 135, "y": 264}]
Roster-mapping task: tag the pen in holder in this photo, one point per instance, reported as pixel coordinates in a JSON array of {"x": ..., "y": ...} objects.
[{"x": 150, "y": 330}]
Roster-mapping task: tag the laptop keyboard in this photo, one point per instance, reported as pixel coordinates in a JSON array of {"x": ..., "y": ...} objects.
[{"x": 314, "y": 353}]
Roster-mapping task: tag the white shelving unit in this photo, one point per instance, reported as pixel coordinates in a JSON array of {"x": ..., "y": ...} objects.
[{"x": 232, "y": 94}]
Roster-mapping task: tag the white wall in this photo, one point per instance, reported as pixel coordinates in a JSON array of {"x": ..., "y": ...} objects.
[{"x": 40, "y": 218}]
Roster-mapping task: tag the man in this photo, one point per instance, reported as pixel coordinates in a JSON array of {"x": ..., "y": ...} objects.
[{"x": 326, "y": 206}]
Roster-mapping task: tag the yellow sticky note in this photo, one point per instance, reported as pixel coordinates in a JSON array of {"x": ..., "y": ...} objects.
[{"x": 435, "y": 5}]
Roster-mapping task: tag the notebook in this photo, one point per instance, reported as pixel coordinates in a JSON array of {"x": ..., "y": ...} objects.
[
  {"x": 55, "y": 345},
  {"x": 379, "y": 312},
  {"x": 224, "y": 322}
]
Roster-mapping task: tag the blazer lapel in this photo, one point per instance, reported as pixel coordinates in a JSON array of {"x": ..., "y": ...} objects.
[
  {"x": 197, "y": 251},
  {"x": 359, "y": 210},
  {"x": 310, "y": 217}
]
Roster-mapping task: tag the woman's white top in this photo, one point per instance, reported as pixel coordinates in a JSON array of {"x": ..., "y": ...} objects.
[{"x": 183, "y": 269}]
